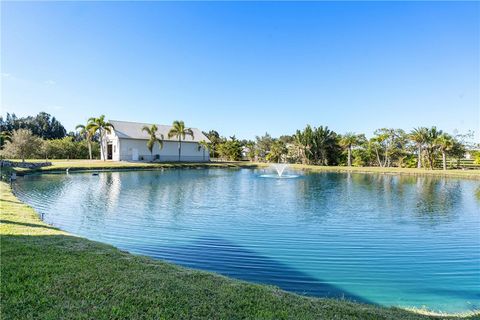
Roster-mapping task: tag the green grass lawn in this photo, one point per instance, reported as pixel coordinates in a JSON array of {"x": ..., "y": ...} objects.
[
  {"x": 72, "y": 165},
  {"x": 49, "y": 274}
]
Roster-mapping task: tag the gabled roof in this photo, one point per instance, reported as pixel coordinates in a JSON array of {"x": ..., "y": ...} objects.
[{"x": 133, "y": 130}]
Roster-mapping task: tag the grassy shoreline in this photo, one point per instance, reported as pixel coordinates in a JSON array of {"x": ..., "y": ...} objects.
[
  {"x": 48, "y": 273},
  {"x": 79, "y": 165}
]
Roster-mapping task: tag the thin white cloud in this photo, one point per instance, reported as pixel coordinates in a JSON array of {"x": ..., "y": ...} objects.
[
  {"x": 5, "y": 75},
  {"x": 50, "y": 82}
]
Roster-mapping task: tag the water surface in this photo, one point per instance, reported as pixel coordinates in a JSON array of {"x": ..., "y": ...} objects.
[{"x": 383, "y": 239}]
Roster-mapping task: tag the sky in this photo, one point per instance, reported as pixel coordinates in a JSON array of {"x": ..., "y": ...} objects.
[{"x": 245, "y": 68}]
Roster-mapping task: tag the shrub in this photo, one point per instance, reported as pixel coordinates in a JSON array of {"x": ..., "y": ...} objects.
[
  {"x": 67, "y": 148},
  {"x": 23, "y": 144}
]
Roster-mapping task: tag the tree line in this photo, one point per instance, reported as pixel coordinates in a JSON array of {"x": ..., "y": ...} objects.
[
  {"x": 43, "y": 136},
  {"x": 421, "y": 147},
  {"x": 42, "y": 125}
]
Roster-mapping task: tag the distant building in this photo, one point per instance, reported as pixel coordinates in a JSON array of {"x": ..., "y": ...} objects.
[{"x": 128, "y": 142}]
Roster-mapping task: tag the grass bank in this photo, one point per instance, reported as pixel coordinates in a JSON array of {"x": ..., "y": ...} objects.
[
  {"x": 48, "y": 274},
  {"x": 79, "y": 165},
  {"x": 458, "y": 173},
  {"x": 76, "y": 165}
]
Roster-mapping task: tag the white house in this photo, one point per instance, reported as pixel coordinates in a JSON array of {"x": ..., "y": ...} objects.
[{"x": 128, "y": 142}]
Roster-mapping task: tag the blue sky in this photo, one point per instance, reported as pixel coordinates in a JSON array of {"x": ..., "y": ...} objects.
[{"x": 245, "y": 68}]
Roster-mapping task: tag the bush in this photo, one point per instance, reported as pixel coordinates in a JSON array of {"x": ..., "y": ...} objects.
[
  {"x": 23, "y": 144},
  {"x": 410, "y": 161},
  {"x": 67, "y": 148}
]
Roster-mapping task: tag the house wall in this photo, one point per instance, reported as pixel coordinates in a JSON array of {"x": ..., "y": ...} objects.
[
  {"x": 111, "y": 138},
  {"x": 123, "y": 150},
  {"x": 169, "y": 152}
]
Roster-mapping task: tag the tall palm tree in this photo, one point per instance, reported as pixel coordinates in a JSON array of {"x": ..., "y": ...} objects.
[
  {"x": 152, "y": 132},
  {"x": 348, "y": 141},
  {"x": 322, "y": 142},
  {"x": 99, "y": 124},
  {"x": 277, "y": 150},
  {"x": 88, "y": 136},
  {"x": 444, "y": 143},
  {"x": 204, "y": 145},
  {"x": 431, "y": 144},
  {"x": 178, "y": 130},
  {"x": 419, "y": 136},
  {"x": 302, "y": 144}
]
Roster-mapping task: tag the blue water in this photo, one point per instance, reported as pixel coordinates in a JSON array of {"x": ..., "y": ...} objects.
[{"x": 383, "y": 239}]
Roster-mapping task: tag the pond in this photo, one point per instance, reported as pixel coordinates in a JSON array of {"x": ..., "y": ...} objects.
[{"x": 384, "y": 239}]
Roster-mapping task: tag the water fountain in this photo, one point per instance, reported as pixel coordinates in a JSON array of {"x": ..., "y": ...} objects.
[{"x": 279, "y": 168}]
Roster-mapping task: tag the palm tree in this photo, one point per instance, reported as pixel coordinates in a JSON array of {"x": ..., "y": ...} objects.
[
  {"x": 431, "y": 144},
  {"x": 204, "y": 145},
  {"x": 88, "y": 136},
  {"x": 99, "y": 124},
  {"x": 444, "y": 143},
  {"x": 277, "y": 150},
  {"x": 349, "y": 140},
  {"x": 152, "y": 132},
  {"x": 301, "y": 141},
  {"x": 420, "y": 137},
  {"x": 322, "y": 143},
  {"x": 178, "y": 130}
]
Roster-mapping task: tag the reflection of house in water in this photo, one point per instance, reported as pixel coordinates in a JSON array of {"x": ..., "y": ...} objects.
[{"x": 111, "y": 184}]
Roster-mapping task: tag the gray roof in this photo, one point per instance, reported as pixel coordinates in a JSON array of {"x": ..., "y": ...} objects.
[{"x": 133, "y": 130}]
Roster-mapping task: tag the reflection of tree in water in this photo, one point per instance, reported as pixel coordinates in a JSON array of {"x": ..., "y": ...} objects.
[
  {"x": 317, "y": 192},
  {"x": 53, "y": 184},
  {"x": 433, "y": 197},
  {"x": 477, "y": 193},
  {"x": 181, "y": 189},
  {"x": 437, "y": 197},
  {"x": 423, "y": 198}
]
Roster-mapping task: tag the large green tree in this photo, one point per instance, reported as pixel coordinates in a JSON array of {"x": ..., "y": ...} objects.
[
  {"x": 23, "y": 144},
  {"x": 152, "y": 138},
  {"x": 317, "y": 146},
  {"x": 420, "y": 137},
  {"x": 389, "y": 146},
  {"x": 215, "y": 140},
  {"x": 179, "y": 131},
  {"x": 444, "y": 143},
  {"x": 263, "y": 145},
  {"x": 277, "y": 151},
  {"x": 101, "y": 126},
  {"x": 230, "y": 150},
  {"x": 88, "y": 135},
  {"x": 42, "y": 125},
  {"x": 303, "y": 144},
  {"x": 431, "y": 146},
  {"x": 350, "y": 140}
]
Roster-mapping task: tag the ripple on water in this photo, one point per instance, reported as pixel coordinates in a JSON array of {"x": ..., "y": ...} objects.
[{"x": 390, "y": 240}]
